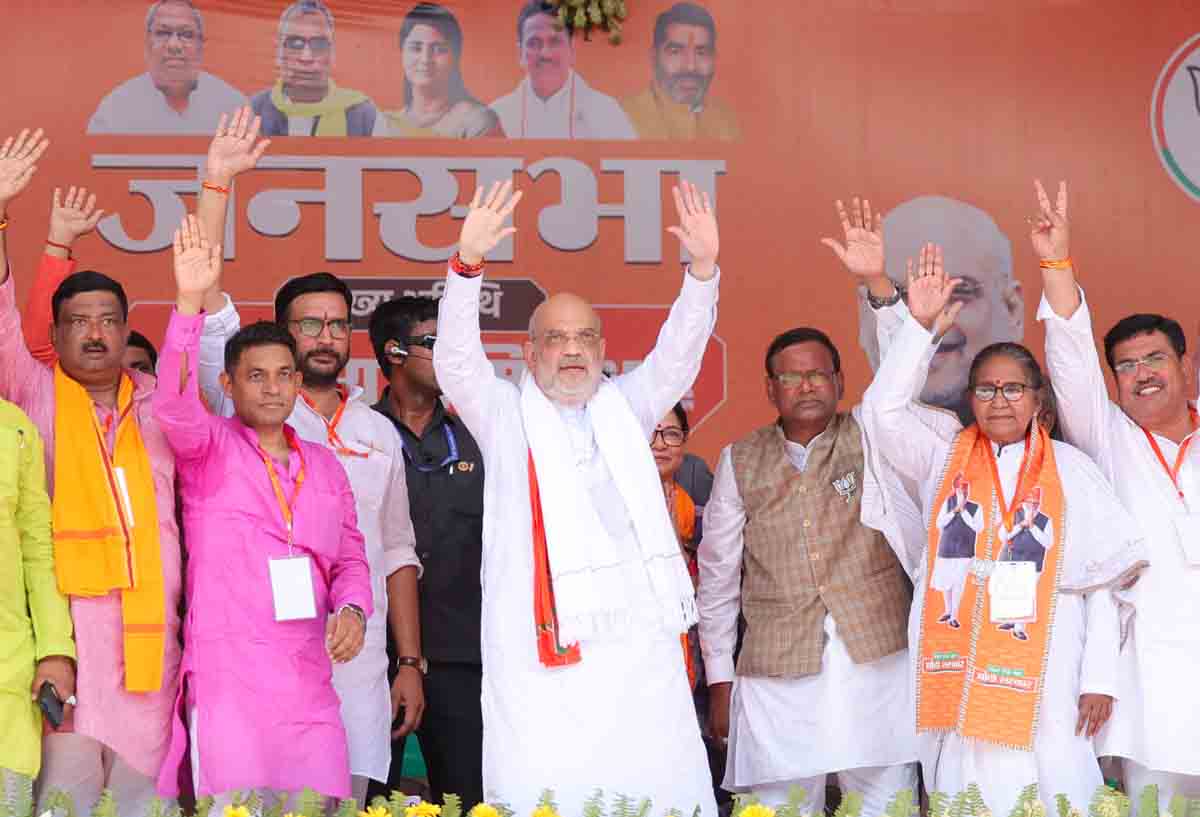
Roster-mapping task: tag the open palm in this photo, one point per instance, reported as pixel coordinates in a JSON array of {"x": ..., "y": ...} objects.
[
  {"x": 484, "y": 227},
  {"x": 73, "y": 216},
  {"x": 197, "y": 263},
  {"x": 697, "y": 229},
  {"x": 235, "y": 148},
  {"x": 930, "y": 289},
  {"x": 18, "y": 162},
  {"x": 862, "y": 252}
]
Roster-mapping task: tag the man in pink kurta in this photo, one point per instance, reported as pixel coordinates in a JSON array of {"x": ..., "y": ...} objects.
[
  {"x": 259, "y": 695},
  {"x": 111, "y": 728}
]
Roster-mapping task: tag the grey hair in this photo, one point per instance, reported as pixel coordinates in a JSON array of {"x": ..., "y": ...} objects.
[
  {"x": 307, "y": 7},
  {"x": 153, "y": 10}
]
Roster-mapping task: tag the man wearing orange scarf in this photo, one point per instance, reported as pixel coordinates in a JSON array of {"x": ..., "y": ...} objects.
[{"x": 116, "y": 543}]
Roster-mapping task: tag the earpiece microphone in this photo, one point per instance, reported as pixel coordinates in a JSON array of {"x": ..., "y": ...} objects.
[{"x": 395, "y": 350}]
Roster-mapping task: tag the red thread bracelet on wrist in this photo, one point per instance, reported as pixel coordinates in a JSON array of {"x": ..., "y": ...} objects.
[
  {"x": 463, "y": 268},
  {"x": 65, "y": 247},
  {"x": 216, "y": 188}
]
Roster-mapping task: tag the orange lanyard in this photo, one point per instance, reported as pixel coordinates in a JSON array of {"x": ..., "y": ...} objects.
[
  {"x": 335, "y": 439},
  {"x": 1173, "y": 473},
  {"x": 1021, "y": 490},
  {"x": 285, "y": 507}
]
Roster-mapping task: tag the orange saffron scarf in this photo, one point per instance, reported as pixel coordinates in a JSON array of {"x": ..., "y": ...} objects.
[
  {"x": 978, "y": 679},
  {"x": 106, "y": 523}
]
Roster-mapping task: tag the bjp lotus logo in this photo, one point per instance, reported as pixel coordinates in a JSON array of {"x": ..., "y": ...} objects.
[{"x": 1175, "y": 117}]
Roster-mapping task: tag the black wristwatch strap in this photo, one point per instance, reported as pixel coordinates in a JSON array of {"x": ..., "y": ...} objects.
[{"x": 880, "y": 303}]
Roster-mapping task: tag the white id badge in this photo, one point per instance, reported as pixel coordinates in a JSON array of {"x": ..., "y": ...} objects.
[
  {"x": 1013, "y": 591},
  {"x": 292, "y": 588},
  {"x": 123, "y": 490},
  {"x": 1187, "y": 526}
]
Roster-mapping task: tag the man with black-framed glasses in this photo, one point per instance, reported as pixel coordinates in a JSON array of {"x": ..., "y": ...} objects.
[
  {"x": 173, "y": 96},
  {"x": 305, "y": 101},
  {"x": 316, "y": 310},
  {"x": 445, "y": 478},
  {"x": 824, "y": 596}
]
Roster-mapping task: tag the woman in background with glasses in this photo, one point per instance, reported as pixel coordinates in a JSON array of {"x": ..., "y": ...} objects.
[{"x": 436, "y": 101}]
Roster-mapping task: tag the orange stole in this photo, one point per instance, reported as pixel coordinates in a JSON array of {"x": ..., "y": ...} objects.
[
  {"x": 550, "y": 652},
  {"x": 683, "y": 518},
  {"x": 980, "y": 681}
]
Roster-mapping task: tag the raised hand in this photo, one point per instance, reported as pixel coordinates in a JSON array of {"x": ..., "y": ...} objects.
[
  {"x": 697, "y": 229},
  {"x": 929, "y": 291},
  {"x": 197, "y": 266},
  {"x": 18, "y": 163},
  {"x": 862, "y": 252},
  {"x": 1051, "y": 233},
  {"x": 484, "y": 227},
  {"x": 73, "y": 216},
  {"x": 235, "y": 148}
]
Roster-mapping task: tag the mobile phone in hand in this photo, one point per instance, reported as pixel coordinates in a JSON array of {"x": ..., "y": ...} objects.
[{"x": 51, "y": 704}]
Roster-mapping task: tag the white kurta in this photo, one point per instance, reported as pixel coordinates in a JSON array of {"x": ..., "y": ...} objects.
[
  {"x": 381, "y": 502},
  {"x": 1160, "y": 664},
  {"x": 1101, "y": 542},
  {"x": 622, "y": 719},
  {"x": 137, "y": 106},
  {"x": 785, "y": 729},
  {"x": 574, "y": 111}
]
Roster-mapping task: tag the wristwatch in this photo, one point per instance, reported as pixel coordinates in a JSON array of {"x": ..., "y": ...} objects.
[
  {"x": 358, "y": 611},
  {"x": 880, "y": 303},
  {"x": 417, "y": 662}
]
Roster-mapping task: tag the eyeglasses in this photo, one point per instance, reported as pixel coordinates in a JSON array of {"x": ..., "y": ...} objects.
[
  {"x": 587, "y": 338},
  {"x": 313, "y": 327},
  {"x": 1157, "y": 361},
  {"x": 162, "y": 35},
  {"x": 671, "y": 436},
  {"x": 318, "y": 45},
  {"x": 424, "y": 341},
  {"x": 814, "y": 377},
  {"x": 1012, "y": 392}
]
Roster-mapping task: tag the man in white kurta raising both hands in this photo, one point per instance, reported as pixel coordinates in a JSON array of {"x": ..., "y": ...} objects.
[{"x": 585, "y": 593}]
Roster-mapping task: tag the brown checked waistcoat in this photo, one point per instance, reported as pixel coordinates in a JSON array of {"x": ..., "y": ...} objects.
[{"x": 807, "y": 554}]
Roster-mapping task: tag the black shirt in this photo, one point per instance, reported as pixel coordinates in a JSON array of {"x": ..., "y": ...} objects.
[{"x": 445, "y": 498}]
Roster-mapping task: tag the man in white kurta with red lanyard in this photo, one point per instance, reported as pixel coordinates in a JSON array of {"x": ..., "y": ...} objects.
[
  {"x": 585, "y": 593},
  {"x": 1143, "y": 443}
]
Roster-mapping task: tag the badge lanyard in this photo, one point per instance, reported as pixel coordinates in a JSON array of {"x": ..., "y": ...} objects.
[
  {"x": 335, "y": 440},
  {"x": 285, "y": 507},
  {"x": 1172, "y": 473},
  {"x": 1008, "y": 514},
  {"x": 451, "y": 456}
]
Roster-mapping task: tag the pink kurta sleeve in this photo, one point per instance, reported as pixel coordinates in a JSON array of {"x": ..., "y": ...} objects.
[
  {"x": 186, "y": 423},
  {"x": 23, "y": 380}
]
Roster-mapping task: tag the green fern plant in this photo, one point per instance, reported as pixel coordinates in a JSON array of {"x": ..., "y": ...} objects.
[
  {"x": 594, "y": 805},
  {"x": 851, "y": 805},
  {"x": 310, "y": 804},
  {"x": 797, "y": 797},
  {"x": 346, "y": 808}
]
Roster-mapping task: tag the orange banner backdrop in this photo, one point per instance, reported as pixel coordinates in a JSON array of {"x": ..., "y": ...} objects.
[{"x": 893, "y": 99}]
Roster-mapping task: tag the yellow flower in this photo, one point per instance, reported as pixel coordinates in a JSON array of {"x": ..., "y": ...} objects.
[
  {"x": 544, "y": 811},
  {"x": 238, "y": 811},
  {"x": 483, "y": 810},
  {"x": 758, "y": 810},
  {"x": 372, "y": 811},
  {"x": 423, "y": 809}
]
